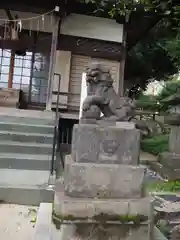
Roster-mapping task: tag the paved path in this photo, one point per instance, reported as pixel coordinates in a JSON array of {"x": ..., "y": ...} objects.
[
  {"x": 147, "y": 157},
  {"x": 17, "y": 222}
]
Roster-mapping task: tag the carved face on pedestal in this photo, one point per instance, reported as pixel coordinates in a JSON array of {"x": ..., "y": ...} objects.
[{"x": 109, "y": 147}]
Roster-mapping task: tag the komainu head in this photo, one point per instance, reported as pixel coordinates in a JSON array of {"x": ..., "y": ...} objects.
[{"x": 96, "y": 73}]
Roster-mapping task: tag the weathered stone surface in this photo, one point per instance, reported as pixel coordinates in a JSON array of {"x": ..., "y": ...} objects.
[
  {"x": 101, "y": 94},
  {"x": 113, "y": 144},
  {"x": 108, "y": 232},
  {"x": 165, "y": 171},
  {"x": 171, "y": 160},
  {"x": 103, "y": 180},
  {"x": 119, "y": 145},
  {"x": 173, "y": 119},
  {"x": 89, "y": 208},
  {"x": 85, "y": 143},
  {"x": 112, "y": 232},
  {"x": 174, "y": 140}
]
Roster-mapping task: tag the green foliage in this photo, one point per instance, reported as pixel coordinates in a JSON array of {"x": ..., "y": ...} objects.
[
  {"x": 156, "y": 56},
  {"x": 149, "y": 59},
  {"x": 147, "y": 103},
  {"x": 170, "y": 186},
  {"x": 157, "y": 103},
  {"x": 170, "y": 88},
  {"x": 156, "y": 144},
  {"x": 126, "y": 7},
  {"x": 173, "y": 46}
]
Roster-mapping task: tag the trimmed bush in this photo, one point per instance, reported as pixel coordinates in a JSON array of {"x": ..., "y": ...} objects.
[{"x": 156, "y": 144}]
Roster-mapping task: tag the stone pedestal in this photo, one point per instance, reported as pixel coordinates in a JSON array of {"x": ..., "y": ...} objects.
[
  {"x": 102, "y": 194},
  {"x": 169, "y": 162}
]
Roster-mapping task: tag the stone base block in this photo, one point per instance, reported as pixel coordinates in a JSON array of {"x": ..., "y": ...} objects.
[
  {"x": 87, "y": 208},
  {"x": 165, "y": 171},
  {"x": 103, "y": 180},
  {"x": 105, "y": 232},
  {"x": 174, "y": 139},
  {"x": 171, "y": 160},
  {"x": 106, "y": 144}
]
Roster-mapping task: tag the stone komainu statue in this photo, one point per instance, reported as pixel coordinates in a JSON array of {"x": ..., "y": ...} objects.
[{"x": 103, "y": 98}]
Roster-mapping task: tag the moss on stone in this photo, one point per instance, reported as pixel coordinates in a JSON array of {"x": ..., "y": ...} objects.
[{"x": 102, "y": 218}]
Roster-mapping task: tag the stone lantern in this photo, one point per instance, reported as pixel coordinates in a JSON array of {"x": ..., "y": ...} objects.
[{"x": 169, "y": 162}]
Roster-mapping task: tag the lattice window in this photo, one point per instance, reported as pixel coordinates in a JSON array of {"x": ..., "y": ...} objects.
[
  {"x": 22, "y": 71},
  {"x": 40, "y": 78},
  {"x": 5, "y": 55}
]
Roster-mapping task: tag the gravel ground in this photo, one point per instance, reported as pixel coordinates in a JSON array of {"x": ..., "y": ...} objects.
[{"x": 17, "y": 222}]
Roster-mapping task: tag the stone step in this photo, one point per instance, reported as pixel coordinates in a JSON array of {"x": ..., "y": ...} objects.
[
  {"x": 103, "y": 180},
  {"x": 32, "y": 196},
  {"x": 23, "y": 127},
  {"x": 25, "y": 161},
  {"x": 25, "y": 187},
  {"x": 25, "y": 148},
  {"x": 27, "y": 120},
  {"x": 89, "y": 207},
  {"x": 26, "y": 137}
]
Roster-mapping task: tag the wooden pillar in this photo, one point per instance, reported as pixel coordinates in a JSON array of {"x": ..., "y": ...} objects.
[
  {"x": 35, "y": 35},
  {"x": 55, "y": 34},
  {"x": 124, "y": 55},
  {"x": 11, "y": 69},
  {"x": 122, "y": 65}
]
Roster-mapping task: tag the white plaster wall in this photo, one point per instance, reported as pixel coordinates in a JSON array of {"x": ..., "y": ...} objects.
[
  {"x": 73, "y": 25},
  {"x": 92, "y": 27},
  {"x": 62, "y": 67}
]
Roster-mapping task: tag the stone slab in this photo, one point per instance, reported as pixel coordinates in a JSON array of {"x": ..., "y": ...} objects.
[
  {"x": 103, "y": 180},
  {"x": 85, "y": 142},
  {"x": 105, "y": 232},
  {"x": 169, "y": 159},
  {"x": 89, "y": 208},
  {"x": 15, "y": 177},
  {"x": 25, "y": 161},
  {"x": 174, "y": 139},
  {"x": 25, "y": 195},
  {"x": 165, "y": 171},
  {"x": 26, "y": 137},
  {"x": 110, "y": 144},
  {"x": 24, "y": 127},
  {"x": 25, "y": 148},
  {"x": 43, "y": 229}
]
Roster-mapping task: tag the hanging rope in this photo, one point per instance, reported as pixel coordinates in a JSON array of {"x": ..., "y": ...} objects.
[{"x": 27, "y": 19}]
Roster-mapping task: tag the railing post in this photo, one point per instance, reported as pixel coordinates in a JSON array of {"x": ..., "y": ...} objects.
[
  {"x": 52, "y": 61},
  {"x": 55, "y": 126}
]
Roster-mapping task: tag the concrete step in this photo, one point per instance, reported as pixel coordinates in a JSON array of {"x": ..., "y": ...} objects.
[
  {"x": 25, "y": 148},
  {"x": 25, "y": 161},
  {"x": 26, "y": 128},
  {"x": 25, "y": 187},
  {"x": 26, "y": 137},
  {"x": 32, "y": 196},
  {"x": 27, "y": 120}
]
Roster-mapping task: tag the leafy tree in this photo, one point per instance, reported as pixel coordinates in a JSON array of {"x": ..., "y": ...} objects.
[
  {"x": 157, "y": 103},
  {"x": 125, "y": 7},
  {"x": 157, "y": 55}
]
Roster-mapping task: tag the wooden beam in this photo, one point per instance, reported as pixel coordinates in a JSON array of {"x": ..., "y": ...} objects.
[
  {"x": 11, "y": 69},
  {"x": 24, "y": 8}
]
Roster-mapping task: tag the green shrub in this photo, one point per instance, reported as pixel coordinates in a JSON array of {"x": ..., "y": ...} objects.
[
  {"x": 156, "y": 144},
  {"x": 169, "y": 186}
]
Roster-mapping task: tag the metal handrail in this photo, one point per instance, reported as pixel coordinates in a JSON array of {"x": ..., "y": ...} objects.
[{"x": 55, "y": 126}]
